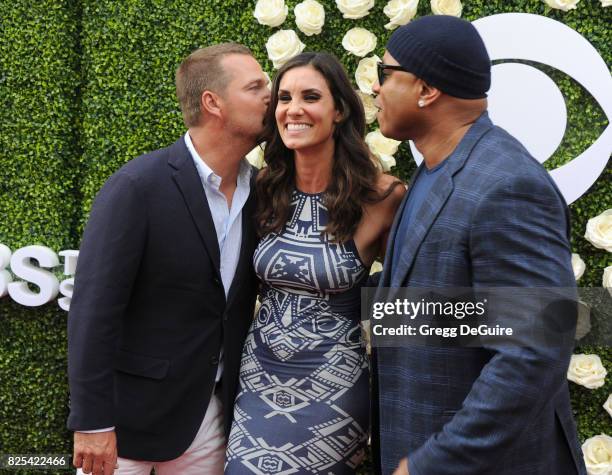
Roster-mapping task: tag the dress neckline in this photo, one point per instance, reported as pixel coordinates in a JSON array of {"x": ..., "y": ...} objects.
[{"x": 300, "y": 192}]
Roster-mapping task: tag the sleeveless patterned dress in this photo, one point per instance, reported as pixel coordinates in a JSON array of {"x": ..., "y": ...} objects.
[{"x": 303, "y": 401}]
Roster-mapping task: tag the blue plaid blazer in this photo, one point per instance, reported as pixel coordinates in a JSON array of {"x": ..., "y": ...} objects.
[{"x": 494, "y": 218}]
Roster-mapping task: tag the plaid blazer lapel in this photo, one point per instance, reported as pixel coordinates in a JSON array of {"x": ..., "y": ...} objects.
[
  {"x": 423, "y": 220},
  {"x": 432, "y": 205}
]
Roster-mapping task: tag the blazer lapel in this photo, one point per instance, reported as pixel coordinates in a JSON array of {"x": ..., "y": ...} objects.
[
  {"x": 433, "y": 204},
  {"x": 247, "y": 246},
  {"x": 188, "y": 181},
  {"x": 423, "y": 219}
]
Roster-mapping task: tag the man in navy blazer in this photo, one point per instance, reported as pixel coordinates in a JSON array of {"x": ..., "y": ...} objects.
[
  {"x": 164, "y": 288},
  {"x": 481, "y": 213}
]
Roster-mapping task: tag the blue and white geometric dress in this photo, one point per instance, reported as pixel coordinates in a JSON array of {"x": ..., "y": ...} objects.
[{"x": 303, "y": 402}]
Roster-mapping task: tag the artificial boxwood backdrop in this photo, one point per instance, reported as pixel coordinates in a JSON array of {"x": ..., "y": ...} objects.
[{"x": 87, "y": 85}]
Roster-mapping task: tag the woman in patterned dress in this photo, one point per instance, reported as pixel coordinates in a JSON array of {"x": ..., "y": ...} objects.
[{"x": 323, "y": 213}]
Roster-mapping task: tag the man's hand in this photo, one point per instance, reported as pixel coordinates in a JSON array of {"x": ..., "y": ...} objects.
[
  {"x": 95, "y": 453},
  {"x": 402, "y": 468}
]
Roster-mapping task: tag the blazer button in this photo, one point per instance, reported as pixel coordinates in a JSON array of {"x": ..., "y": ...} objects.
[
  {"x": 216, "y": 280},
  {"x": 214, "y": 360}
]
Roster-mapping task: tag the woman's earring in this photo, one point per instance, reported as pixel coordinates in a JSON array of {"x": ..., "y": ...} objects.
[{"x": 421, "y": 103}]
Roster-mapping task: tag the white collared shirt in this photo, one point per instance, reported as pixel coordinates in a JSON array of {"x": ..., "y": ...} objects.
[{"x": 227, "y": 221}]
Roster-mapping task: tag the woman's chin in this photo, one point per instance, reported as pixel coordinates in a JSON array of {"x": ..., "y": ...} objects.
[{"x": 293, "y": 144}]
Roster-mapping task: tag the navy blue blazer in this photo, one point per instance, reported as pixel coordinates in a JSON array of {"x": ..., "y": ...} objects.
[
  {"x": 149, "y": 314},
  {"x": 494, "y": 218}
]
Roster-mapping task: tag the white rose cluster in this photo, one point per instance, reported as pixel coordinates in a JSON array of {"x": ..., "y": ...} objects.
[
  {"x": 382, "y": 148},
  {"x": 606, "y": 3},
  {"x": 359, "y": 41},
  {"x": 271, "y": 12},
  {"x": 587, "y": 371},
  {"x": 369, "y": 107},
  {"x": 598, "y": 455},
  {"x": 366, "y": 75},
  {"x": 599, "y": 231},
  {"x": 446, "y": 7},
  {"x": 565, "y": 5},
  {"x": 282, "y": 46},
  {"x": 354, "y": 9},
  {"x": 400, "y": 12},
  {"x": 309, "y": 17}
]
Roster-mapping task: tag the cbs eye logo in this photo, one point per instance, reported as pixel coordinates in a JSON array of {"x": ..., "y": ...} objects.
[{"x": 528, "y": 103}]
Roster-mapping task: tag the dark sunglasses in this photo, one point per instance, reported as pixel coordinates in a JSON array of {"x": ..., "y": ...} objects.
[{"x": 380, "y": 67}]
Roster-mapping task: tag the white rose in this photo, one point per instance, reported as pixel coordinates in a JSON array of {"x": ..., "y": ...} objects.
[
  {"x": 587, "y": 371},
  {"x": 359, "y": 41},
  {"x": 309, "y": 17},
  {"x": 598, "y": 455},
  {"x": 606, "y": 280},
  {"x": 376, "y": 267},
  {"x": 382, "y": 148},
  {"x": 446, "y": 7},
  {"x": 368, "y": 105},
  {"x": 386, "y": 162},
  {"x": 257, "y": 306},
  {"x": 353, "y": 9},
  {"x": 366, "y": 335},
  {"x": 583, "y": 323},
  {"x": 269, "y": 81},
  {"x": 271, "y": 12},
  {"x": 564, "y": 5},
  {"x": 366, "y": 75},
  {"x": 256, "y": 156},
  {"x": 282, "y": 46},
  {"x": 606, "y": 3},
  {"x": 400, "y": 12},
  {"x": 608, "y": 405},
  {"x": 599, "y": 231},
  {"x": 578, "y": 266}
]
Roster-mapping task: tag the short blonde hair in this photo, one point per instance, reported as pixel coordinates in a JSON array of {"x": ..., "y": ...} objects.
[{"x": 201, "y": 71}]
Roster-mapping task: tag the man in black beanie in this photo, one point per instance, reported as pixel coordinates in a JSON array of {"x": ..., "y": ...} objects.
[{"x": 480, "y": 213}]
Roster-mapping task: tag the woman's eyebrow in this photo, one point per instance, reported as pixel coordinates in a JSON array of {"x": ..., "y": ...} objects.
[{"x": 305, "y": 91}]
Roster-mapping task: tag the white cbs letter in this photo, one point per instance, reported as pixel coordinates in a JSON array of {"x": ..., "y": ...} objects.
[
  {"x": 67, "y": 286},
  {"x": 5, "y": 276},
  {"x": 66, "y": 289},
  {"x": 22, "y": 267},
  {"x": 70, "y": 261}
]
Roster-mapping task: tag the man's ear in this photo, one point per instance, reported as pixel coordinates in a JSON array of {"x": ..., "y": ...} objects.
[
  {"x": 428, "y": 95},
  {"x": 210, "y": 103}
]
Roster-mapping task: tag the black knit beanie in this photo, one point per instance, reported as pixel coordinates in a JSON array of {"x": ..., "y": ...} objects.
[{"x": 446, "y": 52}]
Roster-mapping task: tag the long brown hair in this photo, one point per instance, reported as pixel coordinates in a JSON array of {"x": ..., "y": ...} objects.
[{"x": 354, "y": 172}]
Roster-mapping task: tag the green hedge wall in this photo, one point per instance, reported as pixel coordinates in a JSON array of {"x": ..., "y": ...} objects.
[
  {"x": 87, "y": 85},
  {"x": 39, "y": 199}
]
